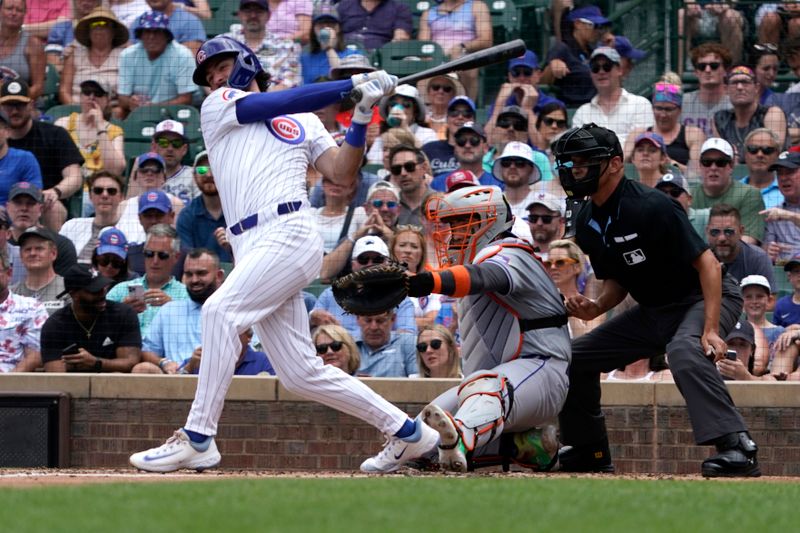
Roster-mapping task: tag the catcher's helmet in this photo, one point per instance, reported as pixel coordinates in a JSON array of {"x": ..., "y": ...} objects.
[
  {"x": 467, "y": 220},
  {"x": 246, "y": 67},
  {"x": 591, "y": 142}
]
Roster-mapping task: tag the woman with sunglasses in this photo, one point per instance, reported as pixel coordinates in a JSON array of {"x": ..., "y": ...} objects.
[
  {"x": 336, "y": 347},
  {"x": 437, "y": 353},
  {"x": 551, "y": 122},
  {"x": 765, "y": 62},
  {"x": 564, "y": 264},
  {"x": 408, "y": 246},
  {"x": 110, "y": 258},
  {"x": 439, "y": 92}
]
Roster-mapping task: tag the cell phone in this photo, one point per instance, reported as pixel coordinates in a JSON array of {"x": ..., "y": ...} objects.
[
  {"x": 136, "y": 291},
  {"x": 72, "y": 349},
  {"x": 731, "y": 355}
]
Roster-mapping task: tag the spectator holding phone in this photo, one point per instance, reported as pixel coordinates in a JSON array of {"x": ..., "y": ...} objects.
[{"x": 738, "y": 363}]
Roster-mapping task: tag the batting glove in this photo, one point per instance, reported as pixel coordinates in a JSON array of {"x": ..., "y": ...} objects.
[{"x": 371, "y": 93}]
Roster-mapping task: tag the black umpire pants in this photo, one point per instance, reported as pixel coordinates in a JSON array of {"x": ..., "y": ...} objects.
[{"x": 643, "y": 332}]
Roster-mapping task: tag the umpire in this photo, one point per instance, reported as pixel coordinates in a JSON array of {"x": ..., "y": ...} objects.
[{"x": 641, "y": 242}]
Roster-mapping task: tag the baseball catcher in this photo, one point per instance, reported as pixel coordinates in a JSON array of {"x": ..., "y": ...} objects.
[{"x": 515, "y": 340}]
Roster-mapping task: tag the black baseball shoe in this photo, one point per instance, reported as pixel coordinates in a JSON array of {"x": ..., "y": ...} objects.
[
  {"x": 586, "y": 458},
  {"x": 736, "y": 457}
]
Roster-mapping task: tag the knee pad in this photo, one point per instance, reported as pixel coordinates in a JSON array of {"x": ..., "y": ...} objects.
[{"x": 484, "y": 398}]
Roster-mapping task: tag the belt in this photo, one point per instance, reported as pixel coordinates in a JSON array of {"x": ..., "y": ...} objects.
[
  {"x": 252, "y": 221},
  {"x": 555, "y": 321}
]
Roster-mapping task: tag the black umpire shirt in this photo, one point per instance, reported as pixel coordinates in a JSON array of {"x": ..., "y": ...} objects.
[{"x": 642, "y": 239}]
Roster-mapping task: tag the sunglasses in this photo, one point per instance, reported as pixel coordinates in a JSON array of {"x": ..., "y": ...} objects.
[
  {"x": 367, "y": 259},
  {"x": 473, "y": 141},
  {"x": 671, "y": 88},
  {"x": 114, "y": 261},
  {"x": 766, "y": 150},
  {"x": 559, "y": 263},
  {"x": 93, "y": 91},
  {"x": 166, "y": 143},
  {"x": 729, "y": 232},
  {"x": 766, "y": 47},
  {"x": 98, "y": 24},
  {"x": 605, "y": 67},
  {"x": 111, "y": 191},
  {"x": 150, "y": 170},
  {"x": 521, "y": 71},
  {"x": 410, "y": 167},
  {"x": 519, "y": 163},
  {"x": 405, "y": 103},
  {"x": 437, "y": 87},
  {"x": 377, "y": 204},
  {"x": 334, "y": 346},
  {"x": 714, "y": 65},
  {"x": 546, "y": 219},
  {"x": 518, "y": 125},
  {"x": 720, "y": 163},
  {"x": 202, "y": 170},
  {"x": 672, "y": 191},
  {"x": 549, "y": 122},
  {"x": 149, "y": 254},
  {"x": 466, "y": 113},
  {"x": 435, "y": 344}
]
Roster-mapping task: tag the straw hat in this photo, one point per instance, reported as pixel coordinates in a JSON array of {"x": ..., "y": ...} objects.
[
  {"x": 450, "y": 77},
  {"x": 101, "y": 13}
]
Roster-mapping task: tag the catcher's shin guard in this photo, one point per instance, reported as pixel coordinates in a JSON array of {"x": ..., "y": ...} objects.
[{"x": 484, "y": 398}]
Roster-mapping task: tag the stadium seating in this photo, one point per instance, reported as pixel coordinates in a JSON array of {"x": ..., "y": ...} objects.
[
  {"x": 222, "y": 16},
  {"x": 56, "y": 112},
  {"x": 404, "y": 58}
]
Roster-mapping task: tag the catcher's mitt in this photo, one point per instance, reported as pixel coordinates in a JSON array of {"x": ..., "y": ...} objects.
[{"x": 372, "y": 290}]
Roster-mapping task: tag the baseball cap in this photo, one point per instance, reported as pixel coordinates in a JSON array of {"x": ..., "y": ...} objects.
[
  {"x": 742, "y": 330},
  {"x": 653, "y": 138},
  {"x": 790, "y": 160},
  {"x": 80, "y": 276},
  {"x": 406, "y": 91},
  {"x": 152, "y": 20},
  {"x": 591, "y": 14},
  {"x": 756, "y": 279},
  {"x": 517, "y": 150},
  {"x": 607, "y": 52},
  {"x": 715, "y": 143},
  {"x": 99, "y": 84},
  {"x": 462, "y": 100},
  {"x": 150, "y": 156},
  {"x": 260, "y": 3},
  {"x": 25, "y": 187},
  {"x": 112, "y": 241},
  {"x": 546, "y": 199},
  {"x": 324, "y": 11},
  {"x": 370, "y": 243},
  {"x": 170, "y": 126},
  {"x": 199, "y": 157},
  {"x": 625, "y": 48},
  {"x": 460, "y": 178},
  {"x": 674, "y": 178},
  {"x": 528, "y": 59},
  {"x": 513, "y": 110},
  {"x": 795, "y": 260},
  {"x": 473, "y": 127},
  {"x": 14, "y": 90},
  {"x": 36, "y": 231},
  {"x": 383, "y": 185},
  {"x": 155, "y": 199}
]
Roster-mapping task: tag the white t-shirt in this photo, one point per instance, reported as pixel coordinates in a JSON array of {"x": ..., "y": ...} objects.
[
  {"x": 331, "y": 227},
  {"x": 631, "y": 112}
]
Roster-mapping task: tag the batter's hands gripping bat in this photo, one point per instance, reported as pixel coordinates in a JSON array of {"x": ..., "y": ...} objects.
[{"x": 481, "y": 58}]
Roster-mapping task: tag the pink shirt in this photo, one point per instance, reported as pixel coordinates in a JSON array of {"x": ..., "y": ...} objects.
[
  {"x": 283, "y": 20},
  {"x": 46, "y": 10},
  {"x": 21, "y": 321}
]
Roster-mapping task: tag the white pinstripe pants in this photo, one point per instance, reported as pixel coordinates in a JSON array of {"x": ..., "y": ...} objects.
[{"x": 273, "y": 264}]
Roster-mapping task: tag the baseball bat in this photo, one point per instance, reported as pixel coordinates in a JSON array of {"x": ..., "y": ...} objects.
[{"x": 481, "y": 58}]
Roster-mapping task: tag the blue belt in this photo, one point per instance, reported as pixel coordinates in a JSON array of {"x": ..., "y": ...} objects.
[{"x": 252, "y": 221}]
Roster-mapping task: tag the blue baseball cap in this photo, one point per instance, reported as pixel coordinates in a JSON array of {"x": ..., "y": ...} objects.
[
  {"x": 112, "y": 241},
  {"x": 625, "y": 48},
  {"x": 150, "y": 156},
  {"x": 152, "y": 20},
  {"x": 462, "y": 100},
  {"x": 591, "y": 14},
  {"x": 325, "y": 11},
  {"x": 528, "y": 59},
  {"x": 155, "y": 199}
]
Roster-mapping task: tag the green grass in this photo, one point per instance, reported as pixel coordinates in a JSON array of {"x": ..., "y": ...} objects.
[{"x": 407, "y": 504}]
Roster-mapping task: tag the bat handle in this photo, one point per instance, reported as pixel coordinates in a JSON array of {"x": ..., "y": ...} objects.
[{"x": 353, "y": 97}]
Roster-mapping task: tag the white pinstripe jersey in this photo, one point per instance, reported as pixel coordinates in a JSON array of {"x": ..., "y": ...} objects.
[{"x": 259, "y": 164}]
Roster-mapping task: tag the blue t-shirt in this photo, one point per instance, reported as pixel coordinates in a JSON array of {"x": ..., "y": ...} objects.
[
  {"x": 16, "y": 166},
  {"x": 162, "y": 79},
  {"x": 771, "y": 194},
  {"x": 396, "y": 359},
  {"x": 196, "y": 229},
  {"x": 442, "y": 157},
  {"x": 786, "y": 312},
  {"x": 61, "y": 34},
  {"x": 315, "y": 65}
]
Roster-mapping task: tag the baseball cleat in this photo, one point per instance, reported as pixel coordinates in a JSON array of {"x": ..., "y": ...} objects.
[
  {"x": 397, "y": 451},
  {"x": 176, "y": 454},
  {"x": 452, "y": 453}
]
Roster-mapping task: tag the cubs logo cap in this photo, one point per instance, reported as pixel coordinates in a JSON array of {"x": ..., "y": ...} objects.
[
  {"x": 155, "y": 199},
  {"x": 25, "y": 187},
  {"x": 112, "y": 241}
]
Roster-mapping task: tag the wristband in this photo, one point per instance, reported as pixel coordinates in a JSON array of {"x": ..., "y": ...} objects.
[
  {"x": 356, "y": 135},
  {"x": 58, "y": 192},
  {"x": 98, "y": 364},
  {"x": 161, "y": 363}
]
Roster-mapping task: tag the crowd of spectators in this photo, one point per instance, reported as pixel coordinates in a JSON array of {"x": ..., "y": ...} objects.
[{"x": 123, "y": 277}]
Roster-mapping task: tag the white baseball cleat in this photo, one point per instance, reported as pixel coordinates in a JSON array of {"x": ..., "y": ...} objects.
[
  {"x": 452, "y": 453},
  {"x": 397, "y": 451},
  {"x": 177, "y": 453}
]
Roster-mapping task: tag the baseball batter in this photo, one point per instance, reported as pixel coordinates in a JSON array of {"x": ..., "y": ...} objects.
[
  {"x": 260, "y": 145},
  {"x": 515, "y": 341}
]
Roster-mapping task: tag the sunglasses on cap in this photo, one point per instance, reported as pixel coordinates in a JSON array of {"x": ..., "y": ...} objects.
[
  {"x": 410, "y": 167},
  {"x": 766, "y": 47},
  {"x": 672, "y": 191},
  {"x": 719, "y": 163},
  {"x": 670, "y": 88},
  {"x": 202, "y": 170},
  {"x": 729, "y": 232},
  {"x": 335, "y": 346},
  {"x": 546, "y": 219},
  {"x": 111, "y": 191},
  {"x": 549, "y": 122},
  {"x": 605, "y": 67},
  {"x": 506, "y": 123},
  {"x": 88, "y": 90},
  {"x": 473, "y": 141},
  {"x": 713, "y": 65},
  {"x": 466, "y": 113},
  {"x": 367, "y": 259},
  {"x": 377, "y": 204},
  {"x": 113, "y": 260},
  {"x": 559, "y": 263},
  {"x": 766, "y": 150},
  {"x": 435, "y": 344},
  {"x": 163, "y": 142},
  {"x": 517, "y": 162},
  {"x": 149, "y": 254},
  {"x": 441, "y": 87},
  {"x": 516, "y": 72}
]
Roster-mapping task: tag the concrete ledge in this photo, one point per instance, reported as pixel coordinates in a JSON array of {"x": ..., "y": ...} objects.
[
  {"x": 77, "y": 386},
  {"x": 393, "y": 389},
  {"x": 155, "y": 387}
]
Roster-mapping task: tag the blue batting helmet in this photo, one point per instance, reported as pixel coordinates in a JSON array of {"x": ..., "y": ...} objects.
[{"x": 245, "y": 68}]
